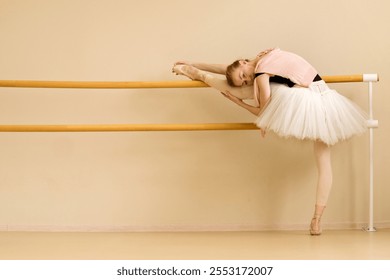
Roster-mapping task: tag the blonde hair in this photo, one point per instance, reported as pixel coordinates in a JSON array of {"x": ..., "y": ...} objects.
[{"x": 230, "y": 69}]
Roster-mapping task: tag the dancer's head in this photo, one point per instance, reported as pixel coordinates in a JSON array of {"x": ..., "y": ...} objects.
[{"x": 240, "y": 73}]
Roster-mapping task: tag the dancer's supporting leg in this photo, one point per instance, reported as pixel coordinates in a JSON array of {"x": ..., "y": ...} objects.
[{"x": 324, "y": 185}]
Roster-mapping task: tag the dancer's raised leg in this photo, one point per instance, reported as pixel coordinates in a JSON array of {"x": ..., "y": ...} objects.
[{"x": 213, "y": 80}]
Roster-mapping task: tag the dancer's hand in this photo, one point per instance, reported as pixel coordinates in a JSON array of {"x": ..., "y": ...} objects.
[
  {"x": 231, "y": 97},
  {"x": 182, "y": 62},
  {"x": 241, "y": 103},
  {"x": 265, "y": 52}
]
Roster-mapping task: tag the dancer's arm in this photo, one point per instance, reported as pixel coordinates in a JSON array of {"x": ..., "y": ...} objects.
[
  {"x": 254, "y": 110},
  {"x": 213, "y": 68},
  {"x": 264, "y": 90},
  {"x": 235, "y": 94}
]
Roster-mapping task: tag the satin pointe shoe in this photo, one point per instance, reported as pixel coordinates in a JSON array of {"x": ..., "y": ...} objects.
[
  {"x": 189, "y": 71},
  {"x": 315, "y": 225}
]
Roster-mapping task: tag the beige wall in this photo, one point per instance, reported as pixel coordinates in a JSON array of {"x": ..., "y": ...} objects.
[{"x": 178, "y": 180}]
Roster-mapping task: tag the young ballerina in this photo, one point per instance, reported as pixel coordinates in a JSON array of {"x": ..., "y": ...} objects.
[{"x": 291, "y": 100}]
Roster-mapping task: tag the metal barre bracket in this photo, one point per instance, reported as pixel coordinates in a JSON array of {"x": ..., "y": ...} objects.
[{"x": 370, "y": 78}]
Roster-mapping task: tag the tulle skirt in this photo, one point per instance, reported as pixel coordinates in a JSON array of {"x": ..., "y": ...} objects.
[{"x": 315, "y": 113}]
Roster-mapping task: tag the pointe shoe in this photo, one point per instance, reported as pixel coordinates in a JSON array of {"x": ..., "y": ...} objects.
[
  {"x": 189, "y": 71},
  {"x": 179, "y": 69},
  {"x": 315, "y": 225}
]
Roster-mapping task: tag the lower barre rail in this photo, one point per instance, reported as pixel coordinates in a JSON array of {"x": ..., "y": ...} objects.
[{"x": 126, "y": 127}]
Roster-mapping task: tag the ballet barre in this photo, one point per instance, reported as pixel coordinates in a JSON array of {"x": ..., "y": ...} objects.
[
  {"x": 372, "y": 123},
  {"x": 156, "y": 84}
]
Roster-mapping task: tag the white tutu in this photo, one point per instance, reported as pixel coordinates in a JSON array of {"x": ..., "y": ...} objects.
[{"x": 315, "y": 113}]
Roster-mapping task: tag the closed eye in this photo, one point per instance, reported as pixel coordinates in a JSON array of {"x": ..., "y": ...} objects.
[{"x": 243, "y": 77}]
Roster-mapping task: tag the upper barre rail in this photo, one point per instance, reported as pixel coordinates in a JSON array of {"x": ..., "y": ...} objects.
[
  {"x": 156, "y": 84},
  {"x": 101, "y": 85}
]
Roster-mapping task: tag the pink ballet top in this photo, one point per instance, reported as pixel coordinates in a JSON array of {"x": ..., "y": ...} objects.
[{"x": 287, "y": 65}]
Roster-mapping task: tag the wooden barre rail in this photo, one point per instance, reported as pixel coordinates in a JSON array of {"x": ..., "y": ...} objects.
[
  {"x": 101, "y": 85},
  {"x": 146, "y": 84},
  {"x": 126, "y": 127}
]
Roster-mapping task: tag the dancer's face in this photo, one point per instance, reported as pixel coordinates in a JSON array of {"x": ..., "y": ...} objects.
[{"x": 243, "y": 75}]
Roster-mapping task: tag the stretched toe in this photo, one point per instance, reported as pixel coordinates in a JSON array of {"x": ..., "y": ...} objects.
[
  {"x": 187, "y": 70},
  {"x": 315, "y": 226},
  {"x": 178, "y": 69}
]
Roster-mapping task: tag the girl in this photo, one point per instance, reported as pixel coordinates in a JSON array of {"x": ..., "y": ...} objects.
[{"x": 291, "y": 100}]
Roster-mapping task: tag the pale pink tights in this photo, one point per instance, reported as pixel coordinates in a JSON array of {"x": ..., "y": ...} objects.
[{"x": 324, "y": 166}]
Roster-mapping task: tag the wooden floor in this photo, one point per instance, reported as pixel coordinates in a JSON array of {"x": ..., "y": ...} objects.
[{"x": 278, "y": 245}]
